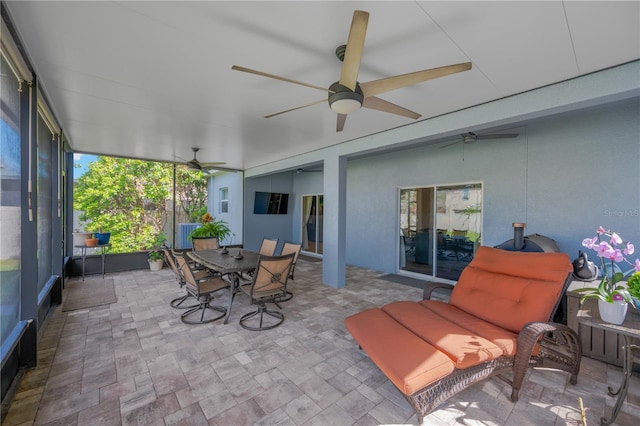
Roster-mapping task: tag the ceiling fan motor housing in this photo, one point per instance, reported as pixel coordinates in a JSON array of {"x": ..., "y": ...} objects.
[
  {"x": 344, "y": 100},
  {"x": 340, "y": 51}
]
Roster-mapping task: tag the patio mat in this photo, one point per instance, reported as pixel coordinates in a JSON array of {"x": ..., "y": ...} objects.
[
  {"x": 438, "y": 294},
  {"x": 310, "y": 258},
  {"x": 87, "y": 294},
  {"x": 400, "y": 279}
]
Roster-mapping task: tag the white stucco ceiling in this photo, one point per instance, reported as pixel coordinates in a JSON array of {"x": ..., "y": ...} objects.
[{"x": 152, "y": 79}]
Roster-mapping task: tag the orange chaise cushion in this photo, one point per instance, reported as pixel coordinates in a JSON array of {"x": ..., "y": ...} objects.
[
  {"x": 407, "y": 360},
  {"x": 464, "y": 347},
  {"x": 511, "y": 289},
  {"x": 504, "y": 339}
]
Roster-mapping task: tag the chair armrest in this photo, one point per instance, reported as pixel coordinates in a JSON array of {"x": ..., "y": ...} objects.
[
  {"x": 531, "y": 335},
  {"x": 430, "y": 286}
]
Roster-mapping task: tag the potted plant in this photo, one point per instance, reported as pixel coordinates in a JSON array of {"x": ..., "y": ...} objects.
[
  {"x": 613, "y": 297},
  {"x": 156, "y": 254},
  {"x": 633, "y": 284},
  {"x": 211, "y": 228}
]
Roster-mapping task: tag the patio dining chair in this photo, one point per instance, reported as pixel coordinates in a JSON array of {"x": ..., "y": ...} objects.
[
  {"x": 268, "y": 285},
  {"x": 202, "y": 289},
  {"x": 170, "y": 259},
  {"x": 268, "y": 246},
  {"x": 290, "y": 247},
  {"x": 207, "y": 243}
]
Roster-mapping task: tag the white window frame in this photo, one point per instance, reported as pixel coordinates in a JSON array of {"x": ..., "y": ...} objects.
[{"x": 224, "y": 200}]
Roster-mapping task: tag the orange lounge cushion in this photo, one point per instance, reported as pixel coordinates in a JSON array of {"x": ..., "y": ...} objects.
[
  {"x": 511, "y": 289},
  {"x": 504, "y": 339},
  {"x": 407, "y": 360},
  {"x": 464, "y": 347}
]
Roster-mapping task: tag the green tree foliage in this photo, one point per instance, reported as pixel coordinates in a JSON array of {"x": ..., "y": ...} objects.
[
  {"x": 191, "y": 193},
  {"x": 130, "y": 199}
]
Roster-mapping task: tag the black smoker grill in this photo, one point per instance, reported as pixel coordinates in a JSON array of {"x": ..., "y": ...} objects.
[
  {"x": 535, "y": 243},
  {"x": 530, "y": 243}
]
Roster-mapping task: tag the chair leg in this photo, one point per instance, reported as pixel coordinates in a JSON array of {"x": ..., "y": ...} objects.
[
  {"x": 203, "y": 306},
  {"x": 262, "y": 310},
  {"x": 284, "y": 298},
  {"x": 177, "y": 302}
]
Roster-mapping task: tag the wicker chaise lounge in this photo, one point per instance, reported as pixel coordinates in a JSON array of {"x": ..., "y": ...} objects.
[{"x": 498, "y": 320}]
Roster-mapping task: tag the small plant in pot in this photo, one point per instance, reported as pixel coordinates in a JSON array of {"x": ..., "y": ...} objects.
[
  {"x": 156, "y": 254},
  {"x": 613, "y": 297},
  {"x": 633, "y": 284},
  {"x": 211, "y": 227}
]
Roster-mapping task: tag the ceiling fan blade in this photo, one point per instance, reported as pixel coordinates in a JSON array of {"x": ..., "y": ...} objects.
[
  {"x": 449, "y": 144},
  {"x": 353, "y": 52},
  {"x": 210, "y": 165},
  {"x": 388, "y": 84},
  {"x": 277, "y": 77},
  {"x": 378, "y": 104},
  {"x": 498, "y": 136},
  {"x": 293, "y": 109},
  {"x": 340, "y": 123}
]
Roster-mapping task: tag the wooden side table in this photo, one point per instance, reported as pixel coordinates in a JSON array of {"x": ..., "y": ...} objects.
[
  {"x": 629, "y": 329},
  {"x": 84, "y": 248},
  {"x": 597, "y": 343}
]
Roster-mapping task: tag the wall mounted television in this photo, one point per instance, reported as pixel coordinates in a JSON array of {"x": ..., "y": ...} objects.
[{"x": 270, "y": 203}]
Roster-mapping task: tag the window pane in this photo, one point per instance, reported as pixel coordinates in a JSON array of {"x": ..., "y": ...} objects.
[
  {"x": 312, "y": 223},
  {"x": 45, "y": 150},
  {"x": 416, "y": 230},
  {"x": 459, "y": 225},
  {"x": 224, "y": 200},
  {"x": 9, "y": 201}
]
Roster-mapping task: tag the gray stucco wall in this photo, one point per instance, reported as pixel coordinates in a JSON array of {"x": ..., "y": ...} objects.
[
  {"x": 564, "y": 177},
  {"x": 258, "y": 226},
  {"x": 234, "y": 182}
]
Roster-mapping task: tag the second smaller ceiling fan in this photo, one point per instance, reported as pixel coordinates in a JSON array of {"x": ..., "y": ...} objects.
[
  {"x": 194, "y": 164},
  {"x": 471, "y": 137}
]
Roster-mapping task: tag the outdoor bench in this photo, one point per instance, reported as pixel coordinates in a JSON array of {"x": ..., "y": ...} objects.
[{"x": 498, "y": 320}]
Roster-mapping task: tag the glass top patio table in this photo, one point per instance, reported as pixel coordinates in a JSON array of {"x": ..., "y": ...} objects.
[{"x": 227, "y": 263}]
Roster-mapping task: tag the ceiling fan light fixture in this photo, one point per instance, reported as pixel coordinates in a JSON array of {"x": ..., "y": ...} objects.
[
  {"x": 342, "y": 100},
  {"x": 469, "y": 137}
]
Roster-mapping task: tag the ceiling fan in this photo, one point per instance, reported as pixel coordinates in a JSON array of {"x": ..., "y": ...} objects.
[
  {"x": 471, "y": 137},
  {"x": 347, "y": 94},
  {"x": 194, "y": 164}
]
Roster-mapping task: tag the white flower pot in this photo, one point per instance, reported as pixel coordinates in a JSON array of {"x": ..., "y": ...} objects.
[
  {"x": 80, "y": 237},
  {"x": 155, "y": 265},
  {"x": 613, "y": 313}
]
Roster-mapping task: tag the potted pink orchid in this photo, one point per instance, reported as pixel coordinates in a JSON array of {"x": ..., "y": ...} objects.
[{"x": 612, "y": 251}]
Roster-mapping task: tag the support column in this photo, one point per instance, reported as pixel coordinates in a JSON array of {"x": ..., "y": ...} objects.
[{"x": 334, "y": 222}]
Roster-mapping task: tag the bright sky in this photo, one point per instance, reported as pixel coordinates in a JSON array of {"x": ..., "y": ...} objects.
[{"x": 83, "y": 160}]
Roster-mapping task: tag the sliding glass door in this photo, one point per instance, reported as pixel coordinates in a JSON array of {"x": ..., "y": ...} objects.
[
  {"x": 416, "y": 236},
  {"x": 312, "y": 206},
  {"x": 440, "y": 229}
]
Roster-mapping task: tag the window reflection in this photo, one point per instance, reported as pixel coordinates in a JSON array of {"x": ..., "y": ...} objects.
[{"x": 439, "y": 234}]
